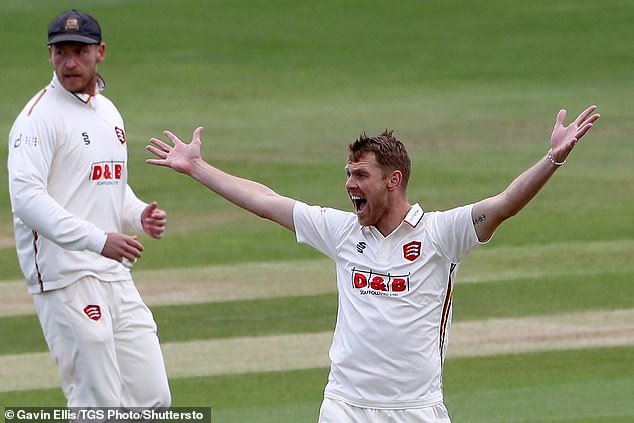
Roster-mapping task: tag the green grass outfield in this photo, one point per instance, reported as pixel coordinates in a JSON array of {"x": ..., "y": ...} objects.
[{"x": 281, "y": 88}]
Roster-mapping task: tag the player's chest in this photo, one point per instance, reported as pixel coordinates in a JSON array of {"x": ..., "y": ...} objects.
[
  {"x": 95, "y": 148},
  {"x": 391, "y": 267}
]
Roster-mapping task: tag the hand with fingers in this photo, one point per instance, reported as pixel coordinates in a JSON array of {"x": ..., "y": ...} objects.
[
  {"x": 153, "y": 220},
  {"x": 122, "y": 247},
  {"x": 181, "y": 157},
  {"x": 564, "y": 138}
]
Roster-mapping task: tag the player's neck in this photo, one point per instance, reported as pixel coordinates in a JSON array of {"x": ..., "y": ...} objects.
[{"x": 394, "y": 217}]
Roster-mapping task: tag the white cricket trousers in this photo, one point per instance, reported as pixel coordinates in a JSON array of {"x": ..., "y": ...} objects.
[
  {"x": 103, "y": 340},
  {"x": 337, "y": 411}
]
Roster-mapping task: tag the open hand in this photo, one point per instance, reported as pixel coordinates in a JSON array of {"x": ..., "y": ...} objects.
[
  {"x": 181, "y": 157},
  {"x": 564, "y": 138}
]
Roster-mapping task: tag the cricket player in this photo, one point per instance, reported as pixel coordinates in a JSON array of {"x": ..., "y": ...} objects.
[
  {"x": 396, "y": 266},
  {"x": 72, "y": 206}
]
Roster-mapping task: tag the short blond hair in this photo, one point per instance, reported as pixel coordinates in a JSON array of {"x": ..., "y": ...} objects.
[{"x": 390, "y": 153}]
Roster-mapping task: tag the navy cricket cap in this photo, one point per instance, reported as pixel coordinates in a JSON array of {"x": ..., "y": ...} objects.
[{"x": 74, "y": 26}]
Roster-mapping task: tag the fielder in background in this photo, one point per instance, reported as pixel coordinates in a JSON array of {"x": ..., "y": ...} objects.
[
  {"x": 396, "y": 266},
  {"x": 72, "y": 206}
]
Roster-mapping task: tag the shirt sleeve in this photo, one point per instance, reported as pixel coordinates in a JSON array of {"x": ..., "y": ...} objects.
[
  {"x": 318, "y": 227},
  {"x": 31, "y": 151},
  {"x": 132, "y": 210},
  {"x": 455, "y": 233}
]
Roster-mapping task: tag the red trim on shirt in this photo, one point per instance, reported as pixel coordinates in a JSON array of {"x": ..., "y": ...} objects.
[
  {"x": 37, "y": 268},
  {"x": 37, "y": 100},
  {"x": 445, "y": 310}
]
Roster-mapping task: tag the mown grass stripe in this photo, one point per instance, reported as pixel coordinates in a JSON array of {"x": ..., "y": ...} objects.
[
  {"x": 317, "y": 313},
  {"x": 204, "y": 321},
  {"x": 572, "y": 386},
  {"x": 249, "y": 281},
  {"x": 544, "y": 295},
  {"x": 205, "y": 284},
  {"x": 310, "y": 350},
  {"x": 578, "y": 258}
]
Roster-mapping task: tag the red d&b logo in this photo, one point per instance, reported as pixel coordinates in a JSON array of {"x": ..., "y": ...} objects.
[
  {"x": 411, "y": 250},
  {"x": 106, "y": 171}
]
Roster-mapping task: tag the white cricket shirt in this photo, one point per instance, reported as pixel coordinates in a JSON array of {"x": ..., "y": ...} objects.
[
  {"x": 68, "y": 186},
  {"x": 394, "y": 307}
]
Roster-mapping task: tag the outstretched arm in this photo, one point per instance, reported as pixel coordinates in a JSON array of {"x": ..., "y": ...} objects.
[
  {"x": 249, "y": 195},
  {"x": 489, "y": 213}
]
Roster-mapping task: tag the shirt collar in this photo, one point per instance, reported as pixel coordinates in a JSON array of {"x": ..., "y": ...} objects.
[
  {"x": 83, "y": 97},
  {"x": 412, "y": 219},
  {"x": 414, "y": 215}
]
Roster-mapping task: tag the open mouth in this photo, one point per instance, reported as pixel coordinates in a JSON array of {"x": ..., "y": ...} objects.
[
  {"x": 72, "y": 77},
  {"x": 360, "y": 203}
]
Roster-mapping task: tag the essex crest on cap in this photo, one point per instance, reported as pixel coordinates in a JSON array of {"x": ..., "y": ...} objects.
[{"x": 72, "y": 24}]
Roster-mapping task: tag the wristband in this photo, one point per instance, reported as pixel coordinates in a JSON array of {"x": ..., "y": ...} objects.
[{"x": 550, "y": 157}]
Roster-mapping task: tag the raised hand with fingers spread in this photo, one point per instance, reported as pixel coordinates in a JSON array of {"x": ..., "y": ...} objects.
[
  {"x": 564, "y": 138},
  {"x": 181, "y": 157}
]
